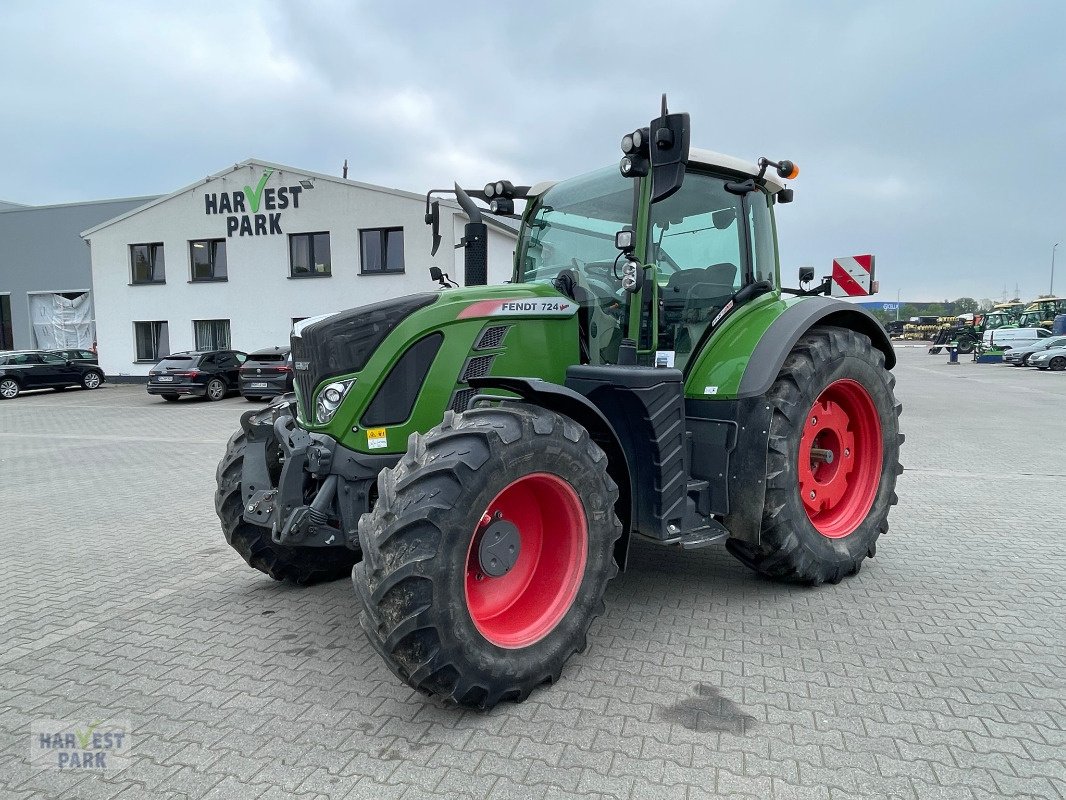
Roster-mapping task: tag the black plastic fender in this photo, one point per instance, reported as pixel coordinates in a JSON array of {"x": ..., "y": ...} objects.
[
  {"x": 583, "y": 411},
  {"x": 779, "y": 339}
]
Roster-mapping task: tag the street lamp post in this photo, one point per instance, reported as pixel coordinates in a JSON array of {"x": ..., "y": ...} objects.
[
  {"x": 1051, "y": 289},
  {"x": 897, "y": 305}
]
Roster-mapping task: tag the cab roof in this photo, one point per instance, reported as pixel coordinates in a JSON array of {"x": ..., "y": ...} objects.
[
  {"x": 705, "y": 158},
  {"x": 709, "y": 158}
]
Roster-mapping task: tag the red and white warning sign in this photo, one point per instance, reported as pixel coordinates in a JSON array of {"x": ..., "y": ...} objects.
[{"x": 853, "y": 276}]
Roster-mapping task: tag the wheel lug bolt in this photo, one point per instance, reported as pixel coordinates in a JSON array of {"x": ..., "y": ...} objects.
[
  {"x": 812, "y": 494},
  {"x": 814, "y": 420},
  {"x": 847, "y": 453}
]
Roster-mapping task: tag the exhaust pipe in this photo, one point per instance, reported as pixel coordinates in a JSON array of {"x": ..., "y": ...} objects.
[{"x": 475, "y": 242}]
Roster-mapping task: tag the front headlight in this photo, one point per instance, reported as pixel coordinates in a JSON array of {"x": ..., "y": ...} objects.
[{"x": 329, "y": 400}]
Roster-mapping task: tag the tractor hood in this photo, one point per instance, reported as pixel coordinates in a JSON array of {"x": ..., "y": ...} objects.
[{"x": 403, "y": 359}]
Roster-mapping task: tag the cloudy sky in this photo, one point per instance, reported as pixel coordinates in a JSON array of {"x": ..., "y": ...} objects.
[{"x": 932, "y": 134}]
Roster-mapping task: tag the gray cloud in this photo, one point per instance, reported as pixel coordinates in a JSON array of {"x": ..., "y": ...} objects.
[{"x": 929, "y": 134}]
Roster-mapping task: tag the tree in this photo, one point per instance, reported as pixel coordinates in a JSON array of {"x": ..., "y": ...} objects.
[
  {"x": 965, "y": 305},
  {"x": 986, "y": 304}
]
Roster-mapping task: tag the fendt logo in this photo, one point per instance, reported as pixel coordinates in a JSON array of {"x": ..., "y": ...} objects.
[{"x": 242, "y": 208}]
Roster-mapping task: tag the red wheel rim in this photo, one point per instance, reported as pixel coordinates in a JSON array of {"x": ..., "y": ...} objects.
[
  {"x": 840, "y": 458},
  {"x": 524, "y": 605}
]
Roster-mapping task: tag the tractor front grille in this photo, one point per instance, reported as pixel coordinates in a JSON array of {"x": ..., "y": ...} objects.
[{"x": 342, "y": 343}]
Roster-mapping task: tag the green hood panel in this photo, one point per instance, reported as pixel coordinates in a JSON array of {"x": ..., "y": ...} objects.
[{"x": 541, "y": 341}]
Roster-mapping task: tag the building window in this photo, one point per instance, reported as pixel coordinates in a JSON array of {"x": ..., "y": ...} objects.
[
  {"x": 153, "y": 340},
  {"x": 309, "y": 255},
  {"x": 211, "y": 334},
  {"x": 147, "y": 261},
  {"x": 381, "y": 249},
  {"x": 208, "y": 257}
]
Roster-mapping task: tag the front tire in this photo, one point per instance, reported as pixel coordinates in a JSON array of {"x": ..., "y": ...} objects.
[
  {"x": 301, "y": 565},
  {"x": 832, "y": 461},
  {"x": 215, "y": 390},
  {"x": 515, "y": 481},
  {"x": 1058, "y": 363}
]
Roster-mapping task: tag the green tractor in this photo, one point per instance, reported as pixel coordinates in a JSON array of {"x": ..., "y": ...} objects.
[{"x": 485, "y": 456}]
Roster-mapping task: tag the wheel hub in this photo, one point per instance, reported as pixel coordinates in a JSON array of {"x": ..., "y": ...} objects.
[
  {"x": 839, "y": 459},
  {"x": 525, "y": 560},
  {"x": 500, "y": 547},
  {"x": 829, "y": 446}
]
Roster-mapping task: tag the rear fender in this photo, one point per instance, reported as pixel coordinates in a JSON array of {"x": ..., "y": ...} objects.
[
  {"x": 579, "y": 408},
  {"x": 781, "y": 336}
]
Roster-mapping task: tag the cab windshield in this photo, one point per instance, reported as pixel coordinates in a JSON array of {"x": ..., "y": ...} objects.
[{"x": 569, "y": 243}]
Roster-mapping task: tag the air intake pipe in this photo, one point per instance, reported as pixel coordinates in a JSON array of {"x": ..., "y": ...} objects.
[{"x": 475, "y": 242}]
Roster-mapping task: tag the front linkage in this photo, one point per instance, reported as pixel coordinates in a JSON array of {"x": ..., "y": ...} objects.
[{"x": 301, "y": 495}]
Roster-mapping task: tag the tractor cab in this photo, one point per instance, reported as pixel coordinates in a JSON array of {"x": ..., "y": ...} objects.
[{"x": 698, "y": 248}]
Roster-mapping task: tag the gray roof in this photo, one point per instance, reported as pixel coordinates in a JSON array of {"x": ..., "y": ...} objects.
[{"x": 7, "y": 205}]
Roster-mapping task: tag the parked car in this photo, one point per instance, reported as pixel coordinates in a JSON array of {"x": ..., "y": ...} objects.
[
  {"x": 37, "y": 369},
  {"x": 1049, "y": 359},
  {"x": 267, "y": 373},
  {"x": 196, "y": 373},
  {"x": 1019, "y": 356},
  {"x": 1009, "y": 338}
]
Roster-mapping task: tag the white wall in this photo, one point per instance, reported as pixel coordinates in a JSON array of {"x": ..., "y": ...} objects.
[{"x": 259, "y": 298}]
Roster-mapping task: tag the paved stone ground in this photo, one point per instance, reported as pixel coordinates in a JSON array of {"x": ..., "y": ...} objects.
[{"x": 936, "y": 672}]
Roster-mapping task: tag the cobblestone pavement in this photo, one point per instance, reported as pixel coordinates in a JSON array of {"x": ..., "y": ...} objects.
[{"x": 937, "y": 672}]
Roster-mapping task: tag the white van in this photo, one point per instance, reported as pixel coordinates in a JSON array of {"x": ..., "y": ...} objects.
[{"x": 1006, "y": 338}]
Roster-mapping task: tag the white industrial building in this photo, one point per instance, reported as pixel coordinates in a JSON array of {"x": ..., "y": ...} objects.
[{"x": 233, "y": 260}]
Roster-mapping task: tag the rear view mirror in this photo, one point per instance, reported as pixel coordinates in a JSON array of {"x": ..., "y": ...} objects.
[
  {"x": 436, "y": 274},
  {"x": 806, "y": 274},
  {"x": 669, "y": 153}
]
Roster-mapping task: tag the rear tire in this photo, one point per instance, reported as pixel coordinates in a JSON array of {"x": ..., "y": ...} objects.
[
  {"x": 838, "y": 374},
  {"x": 301, "y": 565},
  {"x": 471, "y": 640},
  {"x": 9, "y": 389},
  {"x": 91, "y": 380}
]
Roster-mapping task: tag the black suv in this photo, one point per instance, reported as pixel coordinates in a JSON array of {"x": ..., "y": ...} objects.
[
  {"x": 267, "y": 373},
  {"x": 36, "y": 369},
  {"x": 199, "y": 373}
]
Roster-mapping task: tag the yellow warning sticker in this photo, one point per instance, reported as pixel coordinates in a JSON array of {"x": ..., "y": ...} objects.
[{"x": 376, "y": 438}]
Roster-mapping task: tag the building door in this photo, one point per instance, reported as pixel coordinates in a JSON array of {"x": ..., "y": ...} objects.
[{"x": 7, "y": 339}]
